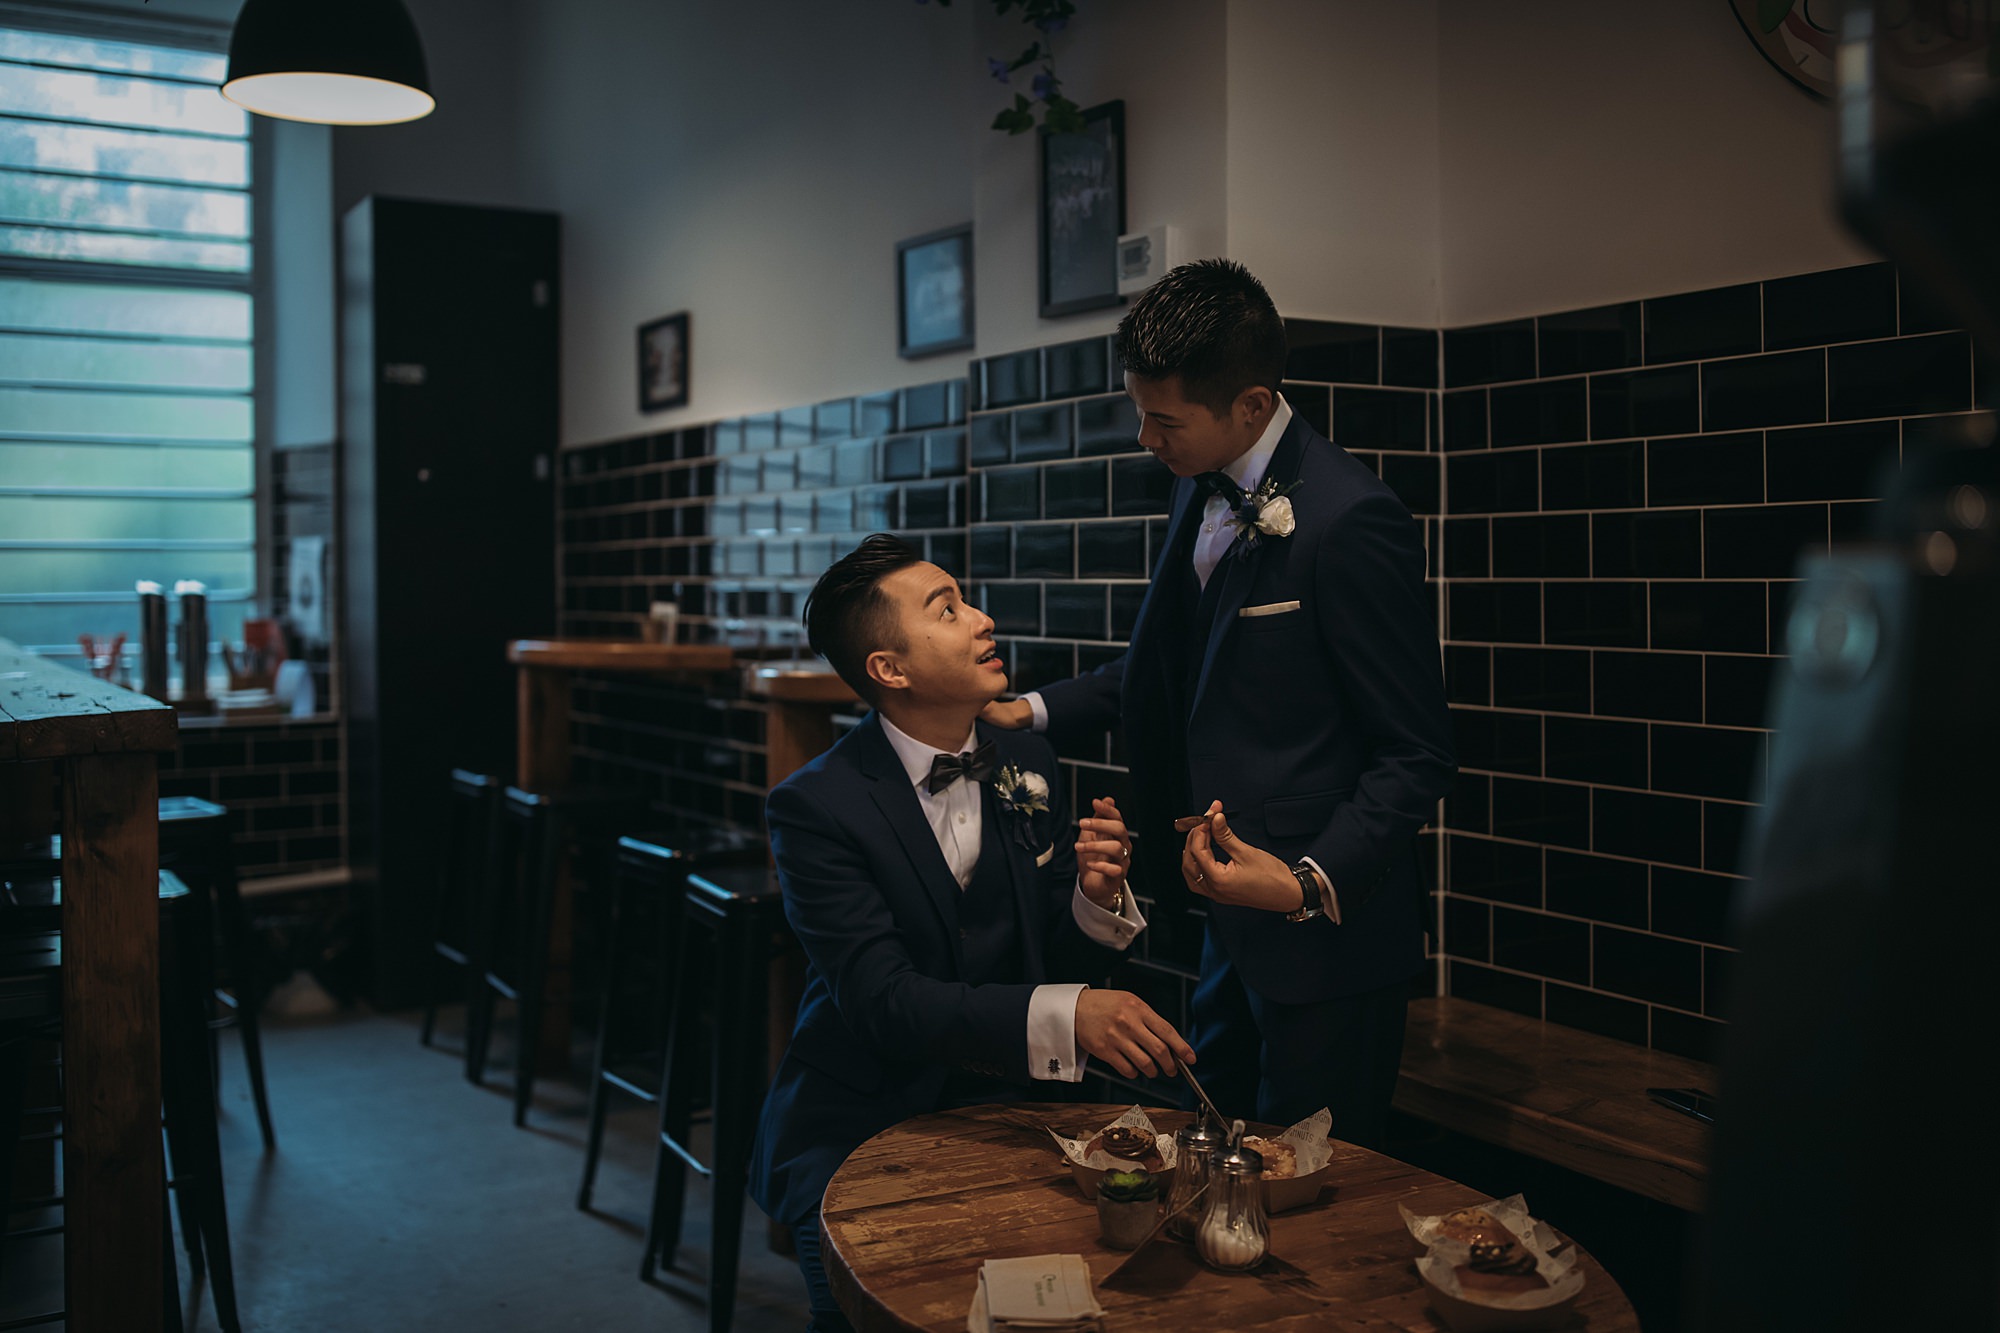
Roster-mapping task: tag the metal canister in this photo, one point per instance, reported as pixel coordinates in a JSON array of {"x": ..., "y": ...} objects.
[
  {"x": 1195, "y": 1147},
  {"x": 152, "y": 640},
  {"x": 193, "y": 639},
  {"x": 1233, "y": 1234}
]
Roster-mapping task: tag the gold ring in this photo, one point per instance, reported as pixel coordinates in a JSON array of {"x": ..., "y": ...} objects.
[{"x": 1200, "y": 878}]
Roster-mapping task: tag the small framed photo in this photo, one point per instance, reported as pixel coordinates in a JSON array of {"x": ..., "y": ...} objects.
[
  {"x": 663, "y": 363},
  {"x": 1083, "y": 213},
  {"x": 934, "y": 292}
]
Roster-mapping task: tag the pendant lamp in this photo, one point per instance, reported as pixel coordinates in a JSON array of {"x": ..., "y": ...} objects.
[{"x": 350, "y": 62}]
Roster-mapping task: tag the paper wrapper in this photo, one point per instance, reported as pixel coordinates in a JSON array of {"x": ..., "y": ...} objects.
[
  {"x": 1073, "y": 1149},
  {"x": 1439, "y": 1266},
  {"x": 1309, "y": 1141}
]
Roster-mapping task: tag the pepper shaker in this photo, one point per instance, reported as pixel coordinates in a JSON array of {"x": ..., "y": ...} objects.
[{"x": 1194, "y": 1147}]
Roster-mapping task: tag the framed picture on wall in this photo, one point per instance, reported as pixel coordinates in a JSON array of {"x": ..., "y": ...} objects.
[
  {"x": 663, "y": 363},
  {"x": 934, "y": 292},
  {"x": 1083, "y": 212}
]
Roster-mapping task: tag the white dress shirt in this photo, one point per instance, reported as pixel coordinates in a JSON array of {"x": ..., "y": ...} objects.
[
  {"x": 957, "y": 817},
  {"x": 1210, "y": 544}
]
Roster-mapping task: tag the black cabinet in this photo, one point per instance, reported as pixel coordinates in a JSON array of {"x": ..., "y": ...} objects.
[{"x": 448, "y": 426}]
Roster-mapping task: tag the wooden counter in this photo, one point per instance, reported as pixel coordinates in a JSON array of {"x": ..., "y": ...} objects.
[
  {"x": 546, "y": 673},
  {"x": 803, "y": 700},
  {"x": 78, "y": 756}
]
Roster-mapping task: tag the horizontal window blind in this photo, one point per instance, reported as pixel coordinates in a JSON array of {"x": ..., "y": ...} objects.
[{"x": 126, "y": 334}]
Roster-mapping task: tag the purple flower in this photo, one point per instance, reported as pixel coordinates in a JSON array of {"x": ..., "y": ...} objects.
[
  {"x": 1045, "y": 84},
  {"x": 1048, "y": 25},
  {"x": 997, "y": 68}
]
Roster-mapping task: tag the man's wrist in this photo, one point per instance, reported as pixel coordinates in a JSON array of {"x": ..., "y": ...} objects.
[{"x": 1311, "y": 903}]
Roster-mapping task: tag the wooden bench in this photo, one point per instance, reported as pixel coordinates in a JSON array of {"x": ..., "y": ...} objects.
[{"x": 1569, "y": 1097}]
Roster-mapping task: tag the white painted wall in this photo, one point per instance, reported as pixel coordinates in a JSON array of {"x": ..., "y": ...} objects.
[
  {"x": 1333, "y": 156},
  {"x": 1597, "y": 152},
  {"x": 1168, "y": 60}
]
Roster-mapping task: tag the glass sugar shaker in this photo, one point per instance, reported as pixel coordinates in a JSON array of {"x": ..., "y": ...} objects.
[
  {"x": 1233, "y": 1234},
  {"x": 1195, "y": 1146}
]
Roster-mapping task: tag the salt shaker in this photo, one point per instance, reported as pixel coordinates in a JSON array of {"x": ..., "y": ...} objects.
[
  {"x": 1233, "y": 1235},
  {"x": 1194, "y": 1146}
]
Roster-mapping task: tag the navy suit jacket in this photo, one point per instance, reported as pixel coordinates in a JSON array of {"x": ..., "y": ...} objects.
[
  {"x": 1322, "y": 729},
  {"x": 886, "y": 1015}
]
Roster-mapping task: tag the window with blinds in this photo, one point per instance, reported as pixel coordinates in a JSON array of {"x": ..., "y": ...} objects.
[{"x": 126, "y": 367}]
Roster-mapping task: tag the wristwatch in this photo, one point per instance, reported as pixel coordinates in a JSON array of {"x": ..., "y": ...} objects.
[{"x": 1311, "y": 904}]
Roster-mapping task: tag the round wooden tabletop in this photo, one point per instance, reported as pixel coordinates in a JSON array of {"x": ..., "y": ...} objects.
[{"x": 913, "y": 1213}]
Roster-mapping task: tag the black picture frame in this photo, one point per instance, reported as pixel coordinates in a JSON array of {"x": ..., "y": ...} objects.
[
  {"x": 1082, "y": 213},
  {"x": 934, "y": 292},
  {"x": 665, "y": 355}
]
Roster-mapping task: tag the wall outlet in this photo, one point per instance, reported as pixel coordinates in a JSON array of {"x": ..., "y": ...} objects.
[{"x": 1145, "y": 256}]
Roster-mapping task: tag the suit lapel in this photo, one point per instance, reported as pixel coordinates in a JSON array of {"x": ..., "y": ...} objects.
[
  {"x": 1238, "y": 568},
  {"x": 1164, "y": 614},
  {"x": 896, "y": 798},
  {"x": 1021, "y": 870}
]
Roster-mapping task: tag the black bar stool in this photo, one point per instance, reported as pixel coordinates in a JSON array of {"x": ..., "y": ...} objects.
[
  {"x": 467, "y": 866},
  {"x": 534, "y": 831},
  {"x": 197, "y": 839},
  {"x": 30, "y": 1004},
  {"x": 736, "y": 916},
  {"x": 643, "y": 909}
]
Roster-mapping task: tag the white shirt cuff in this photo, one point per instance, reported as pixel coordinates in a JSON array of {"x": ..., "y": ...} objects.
[
  {"x": 1329, "y": 900},
  {"x": 1052, "y": 1052},
  {"x": 1038, "y": 709},
  {"x": 1114, "y": 931}
]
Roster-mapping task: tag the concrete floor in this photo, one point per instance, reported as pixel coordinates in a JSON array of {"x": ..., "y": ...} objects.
[{"x": 402, "y": 1198}]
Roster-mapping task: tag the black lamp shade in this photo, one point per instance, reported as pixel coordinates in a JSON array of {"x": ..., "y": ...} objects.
[{"x": 355, "y": 62}]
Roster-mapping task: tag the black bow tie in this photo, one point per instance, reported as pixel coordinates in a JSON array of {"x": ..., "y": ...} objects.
[
  {"x": 1218, "y": 483},
  {"x": 975, "y": 765}
]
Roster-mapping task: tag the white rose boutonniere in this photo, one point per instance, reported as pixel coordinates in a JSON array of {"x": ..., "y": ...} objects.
[
  {"x": 1023, "y": 793},
  {"x": 1265, "y": 512}
]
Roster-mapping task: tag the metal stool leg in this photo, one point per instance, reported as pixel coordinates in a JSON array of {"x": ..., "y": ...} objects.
[
  {"x": 545, "y": 867},
  {"x": 670, "y": 1167},
  {"x": 739, "y": 1057},
  {"x": 242, "y": 965},
  {"x": 189, "y": 1089},
  {"x": 600, "y": 1090}
]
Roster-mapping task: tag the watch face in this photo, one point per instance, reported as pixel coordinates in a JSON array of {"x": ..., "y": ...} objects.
[{"x": 1797, "y": 36}]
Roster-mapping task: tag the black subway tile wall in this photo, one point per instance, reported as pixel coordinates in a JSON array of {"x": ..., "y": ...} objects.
[
  {"x": 1614, "y": 500},
  {"x": 1730, "y": 431}
]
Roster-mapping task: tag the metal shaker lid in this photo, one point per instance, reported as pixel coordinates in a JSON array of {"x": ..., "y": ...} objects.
[{"x": 1237, "y": 1160}]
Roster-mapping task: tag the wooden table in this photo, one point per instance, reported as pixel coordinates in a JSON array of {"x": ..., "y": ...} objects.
[
  {"x": 1569, "y": 1097},
  {"x": 77, "y": 756},
  {"x": 546, "y": 671},
  {"x": 913, "y": 1213},
  {"x": 803, "y": 699}
]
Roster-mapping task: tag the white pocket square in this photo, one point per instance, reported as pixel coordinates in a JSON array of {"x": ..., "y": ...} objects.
[
  {"x": 1045, "y": 857},
  {"x": 1268, "y": 609}
]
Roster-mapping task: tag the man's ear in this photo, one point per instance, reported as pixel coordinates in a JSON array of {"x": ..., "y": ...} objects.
[
  {"x": 883, "y": 668},
  {"x": 1255, "y": 405}
]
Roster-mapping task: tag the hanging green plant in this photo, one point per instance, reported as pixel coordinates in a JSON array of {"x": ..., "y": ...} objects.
[{"x": 1045, "y": 18}]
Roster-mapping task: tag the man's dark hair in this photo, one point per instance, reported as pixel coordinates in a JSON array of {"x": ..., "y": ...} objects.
[
  {"x": 846, "y": 615},
  {"x": 1210, "y": 323}
]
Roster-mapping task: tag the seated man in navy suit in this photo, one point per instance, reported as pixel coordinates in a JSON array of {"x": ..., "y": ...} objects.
[{"x": 949, "y": 917}]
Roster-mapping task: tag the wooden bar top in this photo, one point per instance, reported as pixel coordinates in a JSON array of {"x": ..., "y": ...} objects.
[
  {"x": 796, "y": 683},
  {"x": 911, "y": 1216},
  {"x": 51, "y": 712},
  {"x": 619, "y": 655},
  {"x": 1563, "y": 1095}
]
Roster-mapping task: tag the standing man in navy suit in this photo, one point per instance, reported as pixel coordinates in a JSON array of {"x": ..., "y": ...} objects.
[
  {"x": 949, "y": 918},
  {"x": 1284, "y": 684}
]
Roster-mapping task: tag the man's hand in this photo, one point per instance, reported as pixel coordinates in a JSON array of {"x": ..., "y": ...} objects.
[
  {"x": 1119, "y": 1027},
  {"x": 1250, "y": 878},
  {"x": 1008, "y": 714},
  {"x": 1103, "y": 853}
]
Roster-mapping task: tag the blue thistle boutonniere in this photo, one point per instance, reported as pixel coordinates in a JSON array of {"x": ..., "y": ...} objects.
[
  {"x": 1024, "y": 794},
  {"x": 1264, "y": 512}
]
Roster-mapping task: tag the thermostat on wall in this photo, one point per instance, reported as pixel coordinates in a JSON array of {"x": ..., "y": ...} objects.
[{"x": 1145, "y": 256}]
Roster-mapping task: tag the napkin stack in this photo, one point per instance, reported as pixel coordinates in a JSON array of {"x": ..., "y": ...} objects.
[{"x": 1045, "y": 1293}]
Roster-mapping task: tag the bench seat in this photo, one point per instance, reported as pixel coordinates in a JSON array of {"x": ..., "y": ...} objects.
[{"x": 1566, "y": 1096}]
